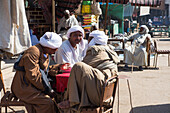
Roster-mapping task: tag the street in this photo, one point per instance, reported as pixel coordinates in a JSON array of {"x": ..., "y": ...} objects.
[{"x": 150, "y": 89}]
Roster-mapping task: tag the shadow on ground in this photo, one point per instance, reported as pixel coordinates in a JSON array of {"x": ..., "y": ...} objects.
[
  {"x": 164, "y": 39},
  {"x": 121, "y": 68},
  {"x": 163, "y": 108}
]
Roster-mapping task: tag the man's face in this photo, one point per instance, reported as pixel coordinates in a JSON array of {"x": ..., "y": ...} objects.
[
  {"x": 141, "y": 29},
  {"x": 75, "y": 37},
  {"x": 49, "y": 50},
  {"x": 67, "y": 15},
  {"x": 89, "y": 39}
]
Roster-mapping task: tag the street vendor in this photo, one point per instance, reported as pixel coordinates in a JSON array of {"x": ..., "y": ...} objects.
[
  {"x": 136, "y": 53},
  {"x": 65, "y": 23},
  {"x": 28, "y": 84},
  {"x": 84, "y": 86},
  {"x": 74, "y": 49}
]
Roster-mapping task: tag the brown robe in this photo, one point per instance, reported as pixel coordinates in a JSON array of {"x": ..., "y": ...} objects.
[
  {"x": 28, "y": 86},
  {"x": 86, "y": 79}
]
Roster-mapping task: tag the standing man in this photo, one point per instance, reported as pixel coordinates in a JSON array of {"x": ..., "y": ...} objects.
[
  {"x": 66, "y": 22},
  {"x": 28, "y": 84},
  {"x": 127, "y": 26},
  {"x": 74, "y": 49},
  {"x": 149, "y": 25}
]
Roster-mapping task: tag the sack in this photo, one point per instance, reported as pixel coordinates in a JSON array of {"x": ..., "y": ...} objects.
[{"x": 95, "y": 8}]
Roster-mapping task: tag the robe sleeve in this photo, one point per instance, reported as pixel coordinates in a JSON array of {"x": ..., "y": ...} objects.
[
  {"x": 63, "y": 56},
  {"x": 54, "y": 69},
  {"x": 33, "y": 75}
]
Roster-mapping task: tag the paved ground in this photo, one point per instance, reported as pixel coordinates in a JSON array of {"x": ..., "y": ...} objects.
[{"x": 150, "y": 88}]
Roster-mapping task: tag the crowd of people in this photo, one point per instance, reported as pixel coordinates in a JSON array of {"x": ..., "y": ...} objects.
[{"x": 92, "y": 61}]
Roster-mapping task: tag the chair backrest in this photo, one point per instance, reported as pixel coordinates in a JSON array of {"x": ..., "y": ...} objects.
[
  {"x": 155, "y": 44},
  {"x": 119, "y": 40},
  {"x": 109, "y": 89},
  {"x": 2, "y": 87}
]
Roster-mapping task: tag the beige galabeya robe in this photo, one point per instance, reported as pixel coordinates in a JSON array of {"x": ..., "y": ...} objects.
[{"x": 87, "y": 78}]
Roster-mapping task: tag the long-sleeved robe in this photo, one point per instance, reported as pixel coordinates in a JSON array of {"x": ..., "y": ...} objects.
[
  {"x": 87, "y": 78},
  {"x": 136, "y": 53},
  {"x": 67, "y": 54},
  {"x": 28, "y": 85}
]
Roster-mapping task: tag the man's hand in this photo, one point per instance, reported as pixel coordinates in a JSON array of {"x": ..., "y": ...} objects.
[
  {"x": 65, "y": 66},
  {"x": 52, "y": 94}
]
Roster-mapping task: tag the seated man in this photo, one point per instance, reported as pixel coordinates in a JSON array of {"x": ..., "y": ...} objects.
[
  {"x": 84, "y": 86},
  {"x": 66, "y": 23},
  {"x": 74, "y": 49},
  {"x": 136, "y": 53},
  {"x": 28, "y": 83}
]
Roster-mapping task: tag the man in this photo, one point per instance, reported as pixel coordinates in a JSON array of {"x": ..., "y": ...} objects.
[
  {"x": 126, "y": 26},
  {"x": 149, "y": 25},
  {"x": 28, "y": 84},
  {"x": 87, "y": 77},
  {"x": 136, "y": 53},
  {"x": 65, "y": 23},
  {"x": 72, "y": 50}
]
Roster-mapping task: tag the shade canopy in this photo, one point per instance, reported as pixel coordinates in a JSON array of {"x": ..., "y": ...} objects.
[{"x": 152, "y": 3}]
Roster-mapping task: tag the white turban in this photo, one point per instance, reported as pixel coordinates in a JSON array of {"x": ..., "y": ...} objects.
[
  {"x": 51, "y": 40},
  {"x": 145, "y": 31},
  {"x": 74, "y": 29},
  {"x": 67, "y": 11},
  {"x": 99, "y": 37}
]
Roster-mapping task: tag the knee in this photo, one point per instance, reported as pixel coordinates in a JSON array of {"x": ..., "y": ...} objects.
[
  {"x": 80, "y": 65},
  {"x": 50, "y": 102}
]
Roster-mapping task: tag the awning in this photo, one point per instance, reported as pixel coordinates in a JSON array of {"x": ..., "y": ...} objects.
[
  {"x": 152, "y": 3},
  {"x": 114, "y": 1}
]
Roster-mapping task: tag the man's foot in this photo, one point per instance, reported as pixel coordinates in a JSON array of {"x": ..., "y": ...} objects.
[
  {"x": 64, "y": 104},
  {"x": 140, "y": 68}
]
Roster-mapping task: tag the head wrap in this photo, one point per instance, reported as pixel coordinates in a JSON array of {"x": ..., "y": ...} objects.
[
  {"x": 51, "y": 40},
  {"x": 149, "y": 21},
  {"x": 67, "y": 12},
  {"x": 74, "y": 29},
  {"x": 99, "y": 38},
  {"x": 145, "y": 30}
]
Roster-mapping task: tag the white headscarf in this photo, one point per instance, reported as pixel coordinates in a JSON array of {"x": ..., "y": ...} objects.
[
  {"x": 149, "y": 21},
  {"x": 99, "y": 38},
  {"x": 74, "y": 29},
  {"x": 51, "y": 40},
  {"x": 145, "y": 30},
  {"x": 67, "y": 11}
]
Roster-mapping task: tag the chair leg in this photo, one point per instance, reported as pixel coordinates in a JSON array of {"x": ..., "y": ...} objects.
[
  {"x": 156, "y": 60},
  {"x": 169, "y": 59},
  {"x": 5, "y": 109}
]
